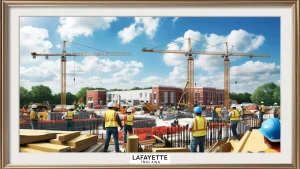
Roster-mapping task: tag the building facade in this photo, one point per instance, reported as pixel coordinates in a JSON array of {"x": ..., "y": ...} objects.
[
  {"x": 166, "y": 95},
  {"x": 95, "y": 98},
  {"x": 131, "y": 97},
  {"x": 209, "y": 96}
]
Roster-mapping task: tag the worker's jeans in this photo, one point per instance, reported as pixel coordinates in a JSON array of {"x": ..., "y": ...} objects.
[
  {"x": 127, "y": 128},
  {"x": 197, "y": 141},
  {"x": 34, "y": 124},
  {"x": 233, "y": 126},
  {"x": 261, "y": 116},
  {"x": 161, "y": 115},
  {"x": 70, "y": 125},
  {"x": 111, "y": 131}
]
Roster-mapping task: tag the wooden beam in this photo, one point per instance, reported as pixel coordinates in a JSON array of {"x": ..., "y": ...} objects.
[
  {"x": 84, "y": 146},
  {"x": 30, "y": 137},
  {"x": 30, "y": 150},
  {"x": 170, "y": 150},
  {"x": 255, "y": 142},
  {"x": 68, "y": 136},
  {"x": 49, "y": 147},
  {"x": 77, "y": 141},
  {"x": 242, "y": 142},
  {"x": 226, "y": 147}
]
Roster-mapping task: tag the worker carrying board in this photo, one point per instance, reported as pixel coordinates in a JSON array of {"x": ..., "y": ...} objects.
[
  {"x": 34, "y": 117},
  {"x": 128, "y": 123},
  {"x": 111, "y": 121}
]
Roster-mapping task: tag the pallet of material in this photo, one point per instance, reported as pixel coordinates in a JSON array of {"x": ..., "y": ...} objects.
[
  {"x": 29, "y": 137},
  {"x": 77, "y": 141},
  {"x": 30, "y": 150},
  {"x": 47, "y": 147},
  {"x": 84, "y": 146}
]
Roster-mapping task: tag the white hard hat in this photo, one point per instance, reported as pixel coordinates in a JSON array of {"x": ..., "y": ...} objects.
[
  {"x": 275, "y": 103},
  {"x": 233, "y": 105},
  {"x": 33, "y": 106},
  {"x": 261, "y": 102},
  {"x": 110, "y": 104},
  {"x": 129, "y": 110}
]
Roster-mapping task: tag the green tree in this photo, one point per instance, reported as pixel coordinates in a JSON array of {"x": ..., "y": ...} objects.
[
  {"x": 276, "y": 95},
  {"x": 70, "y": 98},
  {"x": 115, "y": 90},
  {"x": 40, "y": 93},
  {"x": 25, "y": 96},
  {"x": 136, "y": 88},
  {"x": 264, "y": 93},
  {"x": 56, "y": 98}
]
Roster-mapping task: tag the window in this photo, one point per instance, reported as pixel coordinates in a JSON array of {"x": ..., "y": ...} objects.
[
  {"x": 172, "y": 97},
  {"x": 141, "y": 94},
  {"x": 165, "y": 97},
  {"x": 90, "y": 98},
  {"x": 145, "y": 94},
  {"x": 154, "y": 96}
]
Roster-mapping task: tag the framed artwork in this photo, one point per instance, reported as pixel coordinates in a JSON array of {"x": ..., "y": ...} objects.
[{"x": 158, "y": 50}]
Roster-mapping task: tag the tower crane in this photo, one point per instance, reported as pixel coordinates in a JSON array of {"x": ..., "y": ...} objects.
[
  {"x": 190, "y": 72},
  {"x": 63, "y": 65}
]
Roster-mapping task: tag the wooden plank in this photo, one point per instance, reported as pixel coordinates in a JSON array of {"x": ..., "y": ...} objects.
[
  {"x": 30, "y": 150},
  {"x": 30, "y": 138},
  {"x": 157, "y": 138},
  {"x": 255, "y": 142},
  {"x": 242, "y": 142},
  {"x": 77, "y": 141},
  {"x": 233, "y": 143},
  {"x": 170, "y": 150},
  {"x": 49, "y": 147},
  {"x": 68, "y": 136},
  {"x": 225, "y": 147},
  {"x": 217, "y": 144},
  {"x": 46, "y": 131},
  {"x": 84, "y": 146}
]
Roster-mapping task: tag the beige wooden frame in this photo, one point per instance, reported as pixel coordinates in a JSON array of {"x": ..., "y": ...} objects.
[{"x": 166, "y": 3}]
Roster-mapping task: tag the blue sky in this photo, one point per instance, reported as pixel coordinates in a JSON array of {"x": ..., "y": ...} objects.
[{"x": 130, "y": 34}]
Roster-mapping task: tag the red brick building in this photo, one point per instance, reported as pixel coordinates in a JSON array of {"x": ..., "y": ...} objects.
[
  {"x": 95, "y": 98},
  {"x": 207, "y": 96}
]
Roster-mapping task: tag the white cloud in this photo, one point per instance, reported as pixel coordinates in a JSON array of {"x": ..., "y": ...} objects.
[
  {"x": 255, "y": 68},
  {"x": 147, "y": 25},
  {"x": 33, "y": 40},
  {"x": 36, "y": 74},
  {"x": 71, "y": 27},
  {"x": 58, "y": 46}
]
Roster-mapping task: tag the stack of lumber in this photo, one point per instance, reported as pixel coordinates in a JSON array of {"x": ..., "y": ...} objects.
[{"x": 57, "y": 141}]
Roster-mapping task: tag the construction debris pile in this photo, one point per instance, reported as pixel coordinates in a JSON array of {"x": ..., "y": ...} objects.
[{"x": 57, "y": 141}]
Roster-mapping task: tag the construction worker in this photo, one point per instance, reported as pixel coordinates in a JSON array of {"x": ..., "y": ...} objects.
[
  {"x": 198, "y": 131},
  {"x": 128, "y": 123},
  {"x": 270, "y": 129},
  {"x": 34, "y": 117},
  {"x": 242, "y": 111},
  {"x": 176, "y": 122},
  {"x": 111, "y": 121},
  {"x": 261, "y": 112},
  {"x": 69, "y": 119},
  {"x": 234, "y": 116},
  {"x": 275, "y": 110},
  {"x": 161, "y": 111}
]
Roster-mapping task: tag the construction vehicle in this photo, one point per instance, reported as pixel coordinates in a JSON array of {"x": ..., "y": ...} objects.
[
  {"x": 148, "y": 108},
  {"x": 41, "y": 107},
  {"x": 190, "y": 68},
  {"x": 123, "y": 109},
  {"x": 64, "y": 55}
]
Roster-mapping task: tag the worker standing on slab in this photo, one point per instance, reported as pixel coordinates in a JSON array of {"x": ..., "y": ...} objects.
[
  {"x": 242, "y": 111},
  {"x": 128, "y": 123},
  {"x": 34, "y": 117},
  {"x": 69, "y": 119},
  {"x": 261, "y": 112},
  {"x": 270, "y": 129},
  {"x": 275, "y": 110},
  {"x": 111, "y": 121},
  {"x": 198, "y": 129},
  {"x": 176, "y": 122},
  {"x": 161, "y": 111},
  {"x": 234, "y": 120}
]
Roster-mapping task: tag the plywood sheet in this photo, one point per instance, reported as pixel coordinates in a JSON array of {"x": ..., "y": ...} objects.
[
  {"x": 30, "y": 150},
  {"x": 255, "y": 142},
  {"x": 49, "y": 147}
]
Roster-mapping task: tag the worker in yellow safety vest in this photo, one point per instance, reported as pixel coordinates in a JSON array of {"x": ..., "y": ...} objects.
[
  {"x": 261, "y": 112},
  {"x": 111, "y": 121},
  {"x": 198, "y": 131},
  {"x": 270, "y": 129},
  {"x": 69, "y": 118},
  {"x": 234, "y": 116},
  {"x": 128, "y": 123},
  {"x": 34, "y": 117}
]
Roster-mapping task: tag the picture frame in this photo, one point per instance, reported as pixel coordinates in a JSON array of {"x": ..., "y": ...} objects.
[{"x": 5, "y": 115}]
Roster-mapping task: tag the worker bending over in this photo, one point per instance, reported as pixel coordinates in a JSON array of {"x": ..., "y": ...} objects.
[
  {"x": 261, "y": 112},
  {"x": 198, "y": 129},
  {"x": 128, "y": 123},
  {"x": 111, "y": 121},
  {"x": 34, "y": 117},
  {"x": 234, "y": 120},
  {"x": 270, "y": 129},
  {"x": 69, "y": 119}
]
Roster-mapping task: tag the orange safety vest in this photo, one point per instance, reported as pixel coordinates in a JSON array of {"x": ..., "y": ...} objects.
[
  {"x": 199, "y": 127},
  {"x": 272, "y": 150},
  {"x": 69, "y": 115},
  {"x": 235, "y": 115},
  {"x": 129, "y": 119},
  {"x": 110, "y": 119}
]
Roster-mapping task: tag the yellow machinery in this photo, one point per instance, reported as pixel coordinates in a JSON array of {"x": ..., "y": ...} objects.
[
  {"x": 123, "y": 109},
  {"x": 42, "y": 106},
  {"x": 43, "y": 115},
  {"x": 147, "y": 107}
]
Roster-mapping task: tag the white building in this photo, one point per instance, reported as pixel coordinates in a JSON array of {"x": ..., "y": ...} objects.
[{"x": 131, "y": 97}]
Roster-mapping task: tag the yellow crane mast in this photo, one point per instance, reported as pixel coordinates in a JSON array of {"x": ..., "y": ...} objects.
[
  {"x": 64, "y": 65},
  {"x": 190, "y": 68}
]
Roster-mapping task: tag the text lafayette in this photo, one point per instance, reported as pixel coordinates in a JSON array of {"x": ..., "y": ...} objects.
[{"x": 150, "y": 157}]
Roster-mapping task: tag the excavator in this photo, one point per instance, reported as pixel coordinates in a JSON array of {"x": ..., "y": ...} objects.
[
  {"x": 149, "y": 108},
  {"x": 123, "y": 108}
]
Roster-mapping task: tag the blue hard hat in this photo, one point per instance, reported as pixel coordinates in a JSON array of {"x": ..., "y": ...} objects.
[
  {"x": 271, "y": 129},
  {"x": 197, "y": 110}
]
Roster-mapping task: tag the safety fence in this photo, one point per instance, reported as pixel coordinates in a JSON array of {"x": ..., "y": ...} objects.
[
  {"x": 79, "y": 125},
  {"x": 179, "y": 136}
]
